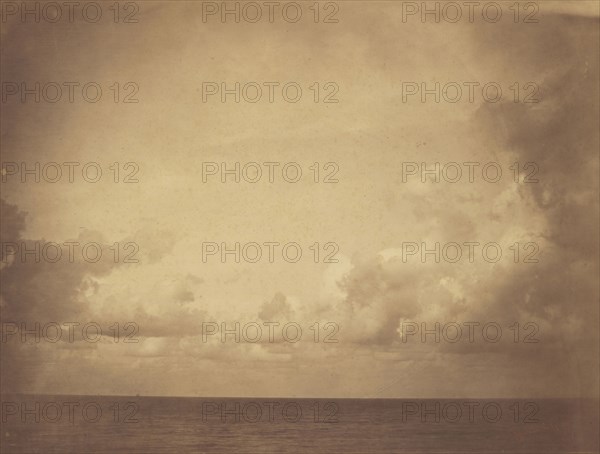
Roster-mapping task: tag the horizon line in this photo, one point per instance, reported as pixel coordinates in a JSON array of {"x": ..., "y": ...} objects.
[{"x": 289, "y": 397}]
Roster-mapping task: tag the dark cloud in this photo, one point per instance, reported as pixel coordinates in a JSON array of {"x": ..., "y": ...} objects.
[
  {"x": 276, "y": 309},
  {"x": 560, "y": 293}
]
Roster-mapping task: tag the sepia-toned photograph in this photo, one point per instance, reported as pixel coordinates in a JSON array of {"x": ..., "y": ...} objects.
[{"x": 300, "y": 227}]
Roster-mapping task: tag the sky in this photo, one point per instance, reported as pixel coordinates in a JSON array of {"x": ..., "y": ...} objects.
[{"x": 370, "y": 293}]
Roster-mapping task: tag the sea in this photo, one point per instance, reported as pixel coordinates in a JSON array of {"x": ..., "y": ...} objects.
[{"x": 46, "y": 424}]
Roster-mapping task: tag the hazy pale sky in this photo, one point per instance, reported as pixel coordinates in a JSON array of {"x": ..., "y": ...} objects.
[{"x": 370, "y": 292}]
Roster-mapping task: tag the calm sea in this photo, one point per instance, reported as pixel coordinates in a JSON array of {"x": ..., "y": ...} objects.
[{"x": 94, "y": 424}]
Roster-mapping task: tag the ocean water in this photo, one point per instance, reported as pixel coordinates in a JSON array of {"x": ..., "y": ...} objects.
[{"x": 94, "y": 424}]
